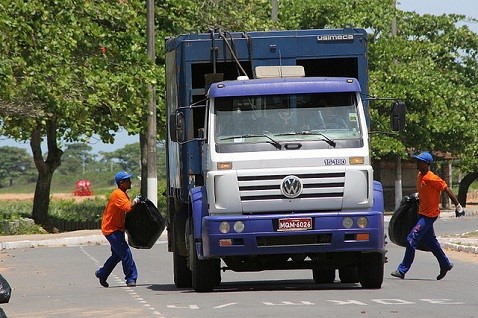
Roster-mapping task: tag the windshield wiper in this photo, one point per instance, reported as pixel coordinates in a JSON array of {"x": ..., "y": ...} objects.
[
  {"x": 272, "y": 141},
  {"x": 309, "y": 133}
]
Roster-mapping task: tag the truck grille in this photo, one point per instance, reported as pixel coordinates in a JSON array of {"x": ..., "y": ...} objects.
[{"x": 313, "y": 185}]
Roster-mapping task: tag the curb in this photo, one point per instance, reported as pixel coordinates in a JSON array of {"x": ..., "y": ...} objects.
[
  {"x": 69, "y": 239},
  {"x": 459, "y": 248},
  {"x": 56, "y": 242}
]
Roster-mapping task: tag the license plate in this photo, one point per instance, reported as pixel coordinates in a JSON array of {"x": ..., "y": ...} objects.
[{"x": 295, "y": 224}]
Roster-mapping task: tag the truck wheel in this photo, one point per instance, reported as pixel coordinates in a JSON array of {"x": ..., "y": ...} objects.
[
  {"x": 349, "y": 274},
  {"x": 206, "y": 274},
  {"x": 371, "y": 270},
  {"x": 323, "y": 276},
  {"x": 182, "y": 274}
]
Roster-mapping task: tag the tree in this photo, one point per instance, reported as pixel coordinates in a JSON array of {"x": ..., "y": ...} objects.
[
  {"x": 180, "y": 16},
  {"x": 14, "y": 164},
  {"x": 431, "y": 64},
  {"x": 432, "y": 76},
  {"x": 127, "y": 157},
  {"x": 70, "y": 69},
  {"x": 75, "y": 158}
]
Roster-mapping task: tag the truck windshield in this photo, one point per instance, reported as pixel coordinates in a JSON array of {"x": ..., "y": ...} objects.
[{"x": 284, "y": 118}]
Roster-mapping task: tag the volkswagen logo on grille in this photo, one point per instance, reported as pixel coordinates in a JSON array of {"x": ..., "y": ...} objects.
[{"x": 291, "y": 187}]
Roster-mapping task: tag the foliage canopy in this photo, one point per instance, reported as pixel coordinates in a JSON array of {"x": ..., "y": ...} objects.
[{"x": 74, "y": 68}]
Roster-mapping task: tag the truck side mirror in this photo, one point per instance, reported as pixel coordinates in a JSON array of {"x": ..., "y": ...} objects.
[
  {"x": 397, "y": 116},
  {"x": 176, "y": 127}
]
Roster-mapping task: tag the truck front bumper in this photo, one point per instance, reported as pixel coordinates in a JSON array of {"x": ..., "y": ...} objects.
[{"x": 261, "y": 236}]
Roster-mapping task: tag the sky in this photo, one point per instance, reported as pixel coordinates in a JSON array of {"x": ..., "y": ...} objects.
[
  {"x": 121, "y": 140},
  {"x": 438, "y": 7},
  {"x": 435, "y": 7}
]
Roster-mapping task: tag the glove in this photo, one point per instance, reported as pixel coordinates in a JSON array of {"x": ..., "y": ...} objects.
[
  {"x": 459, "y": 210},
  {"x": 136, "y": 200}
]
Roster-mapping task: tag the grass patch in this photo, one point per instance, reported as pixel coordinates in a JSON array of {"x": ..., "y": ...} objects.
[
  {"x": 69, "y": 209},
  {"x": 14, "y": 213},
  {"x": 102, "y": 183},
  {"x": 87, "y": 210}
]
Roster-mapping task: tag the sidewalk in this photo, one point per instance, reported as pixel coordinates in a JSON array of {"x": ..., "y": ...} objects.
[
  {"x": 458, "y": 243},
  {"x": 95, "y": 237}
]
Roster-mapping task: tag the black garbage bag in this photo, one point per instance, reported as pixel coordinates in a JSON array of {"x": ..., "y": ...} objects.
[
  {"x": 5, "y": 290},
  {"x": 144, "y": 224},
  {"x": 403, "y": 220}
]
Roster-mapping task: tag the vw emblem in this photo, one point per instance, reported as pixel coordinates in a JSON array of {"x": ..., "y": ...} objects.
[{"x": 291, "y": 187}]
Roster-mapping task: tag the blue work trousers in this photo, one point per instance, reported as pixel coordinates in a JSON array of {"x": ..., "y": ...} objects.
[
  {"x": 120, "y": 251},
  {"x": 423, "y": 230}
]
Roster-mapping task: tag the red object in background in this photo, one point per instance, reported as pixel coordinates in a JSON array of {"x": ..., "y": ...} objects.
[
  {"x": 82, "y": 188},
  {"x": 103, "y": 49}
]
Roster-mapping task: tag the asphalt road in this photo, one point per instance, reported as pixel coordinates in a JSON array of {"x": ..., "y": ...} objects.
[{"x": 60, "y": 282}]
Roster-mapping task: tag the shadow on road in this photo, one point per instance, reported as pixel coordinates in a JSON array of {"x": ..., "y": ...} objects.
[{"x": 277, "y": 285}]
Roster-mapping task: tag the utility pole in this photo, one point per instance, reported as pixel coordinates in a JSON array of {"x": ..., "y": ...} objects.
[
  {"x": 152, "y": 174},
  {"x": 398, "y": 159},
  {"x": 275, "y": 11}
]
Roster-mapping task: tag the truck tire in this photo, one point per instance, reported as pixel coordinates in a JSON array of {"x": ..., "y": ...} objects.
[
  {"x": 323, "y": 276},
  {"x": 182, "y": 274},
  {"x": 206, "y": 274},
  {"x": 349, "y": 274},
  {"x": 217, "y": 277},
  {"x": 371, "y": 270}
]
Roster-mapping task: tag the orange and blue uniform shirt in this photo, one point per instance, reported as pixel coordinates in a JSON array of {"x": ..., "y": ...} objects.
[
  {"x": 115, "y": 212},
  {"x": 429, "y": 187}
]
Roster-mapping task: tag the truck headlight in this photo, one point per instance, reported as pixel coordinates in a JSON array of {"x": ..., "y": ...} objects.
[
  {"x": 239, "y": 226},
  {"x": 362, "y": 222},
  {"x": 224, "y": 227},
  {"x": 347, "y": 222}
]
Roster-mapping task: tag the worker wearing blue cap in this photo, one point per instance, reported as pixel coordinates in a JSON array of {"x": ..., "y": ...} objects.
[
  {"x": 113, "y": 227},
  {"x": 429, "y": 187}
]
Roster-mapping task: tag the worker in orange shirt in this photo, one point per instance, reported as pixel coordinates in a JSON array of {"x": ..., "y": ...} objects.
[
  {"x": 113, "y": 227},
  {"x": 429, "y": 187}
]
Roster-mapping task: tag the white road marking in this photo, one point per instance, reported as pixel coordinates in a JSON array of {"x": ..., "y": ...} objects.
[{"x": 130, "y": 290}]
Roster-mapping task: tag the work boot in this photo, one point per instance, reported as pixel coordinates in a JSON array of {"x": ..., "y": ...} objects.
[
  {"x": 398, "y": 274},
  {"x": 443, "y": 271},
  {"x": 103, "y": 281}
]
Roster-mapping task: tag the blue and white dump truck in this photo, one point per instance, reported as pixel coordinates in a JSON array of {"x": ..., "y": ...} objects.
[{"x": 268, "y": 160}]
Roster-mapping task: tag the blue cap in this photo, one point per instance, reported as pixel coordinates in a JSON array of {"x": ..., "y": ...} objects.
[
  {"x": 121, "y": 176},
  {"x": 425, "y": 156}
]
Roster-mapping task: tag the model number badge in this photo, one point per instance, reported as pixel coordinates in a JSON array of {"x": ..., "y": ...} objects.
[{"x": 335, "y": 162}]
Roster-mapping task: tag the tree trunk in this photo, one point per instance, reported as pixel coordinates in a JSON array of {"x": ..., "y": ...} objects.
[
  {"x": 445, "y": 175},
  {"x": 41, "y": 201},
  {"x": 143, "y": 142},
  {"x": 45, "y": 167},
  {"x": 464, "y": 185}
]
